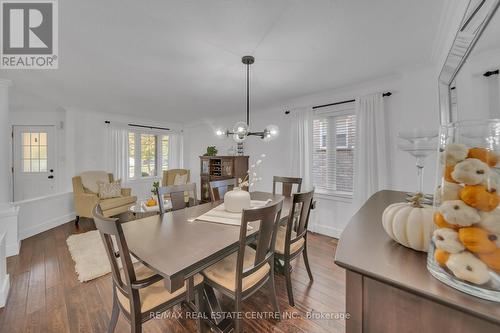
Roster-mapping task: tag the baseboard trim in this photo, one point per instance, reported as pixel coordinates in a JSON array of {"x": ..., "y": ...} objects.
[
  {"x": 4, "y": 290},
  {"x": 52, "y": 223},
  {"x": 327, "y": 230}
]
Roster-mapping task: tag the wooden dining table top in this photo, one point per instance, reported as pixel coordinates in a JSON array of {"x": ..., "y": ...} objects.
[{"x": 178, "y": 249}]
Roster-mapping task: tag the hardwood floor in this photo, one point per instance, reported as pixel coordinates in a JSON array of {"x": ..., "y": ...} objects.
[{"x": 46, "y": 296}]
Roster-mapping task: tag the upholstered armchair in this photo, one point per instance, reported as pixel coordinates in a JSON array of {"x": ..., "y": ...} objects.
[
  {"x": 169, "y": 176},
  {"x": 85, "y": 192}
]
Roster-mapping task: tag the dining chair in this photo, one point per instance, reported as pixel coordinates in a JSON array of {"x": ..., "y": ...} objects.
[
  {"x": 287, "y": 185},
  {"x": 219, "y": 187},
  {"x": 138, "y": 292},
  {"x": 177, "y": 196},
  {"x": 242, "y": 273},
  {"x": 291, "y": 239}
]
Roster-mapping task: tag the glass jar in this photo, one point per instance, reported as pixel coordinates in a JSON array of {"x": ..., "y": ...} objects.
[{"x": 465, "y": 248}]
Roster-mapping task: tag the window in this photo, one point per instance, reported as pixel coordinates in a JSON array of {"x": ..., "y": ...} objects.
[
  {"x": 147, "y": 153},
  {"x": 334, "y": 135},
  {"x": 34, "y": 152}
]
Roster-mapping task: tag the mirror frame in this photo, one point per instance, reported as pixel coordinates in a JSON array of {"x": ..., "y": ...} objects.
[{"x": 465, "y": 40}]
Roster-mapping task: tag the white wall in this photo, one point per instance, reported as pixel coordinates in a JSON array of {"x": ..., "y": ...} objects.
[{"x": 414, "y": 104}]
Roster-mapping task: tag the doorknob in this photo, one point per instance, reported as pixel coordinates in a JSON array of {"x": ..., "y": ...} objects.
[{"x": 50, "y": 177}]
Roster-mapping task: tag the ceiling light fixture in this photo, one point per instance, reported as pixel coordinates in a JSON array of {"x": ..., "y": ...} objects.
[{"x": 241, "y": 130}]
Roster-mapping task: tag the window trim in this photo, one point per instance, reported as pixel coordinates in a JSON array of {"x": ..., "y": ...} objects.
[
  {"x": 137, "y": 154},
  {"x": 336, "y": 111}
]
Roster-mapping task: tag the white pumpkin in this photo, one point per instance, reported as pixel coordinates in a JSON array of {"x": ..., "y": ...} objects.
[{"x": 409, "y": 224}]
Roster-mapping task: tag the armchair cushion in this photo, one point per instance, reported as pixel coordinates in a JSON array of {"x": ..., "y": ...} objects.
[
  {"x": 110, "y": 190},
  {"x": 90, "y": 180},
  {"x": 107, "y": 204}
]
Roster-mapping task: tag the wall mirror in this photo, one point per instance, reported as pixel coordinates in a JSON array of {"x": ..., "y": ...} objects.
[{"x": 469, "y": 81}]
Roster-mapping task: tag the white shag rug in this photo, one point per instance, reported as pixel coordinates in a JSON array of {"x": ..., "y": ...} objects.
[{"x": 89, "y": 255}]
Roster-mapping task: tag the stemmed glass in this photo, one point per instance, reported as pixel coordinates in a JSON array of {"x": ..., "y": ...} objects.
[{"x": 419, "y": 144}]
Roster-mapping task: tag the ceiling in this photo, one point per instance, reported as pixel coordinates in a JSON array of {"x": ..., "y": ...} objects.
[{"x": 181, "y": 60}]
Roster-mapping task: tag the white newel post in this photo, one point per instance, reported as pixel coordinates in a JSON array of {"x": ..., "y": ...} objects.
[{"x": 9, "y": 242}]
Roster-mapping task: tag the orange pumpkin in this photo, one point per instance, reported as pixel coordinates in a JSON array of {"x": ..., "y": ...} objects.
[
  {"x": 477, "y": 240},
  {"x": 479, "y": 197},
  {"x": 487, "y": 156},
  {"x": 492, "y": 259},
  {"x": 447, "y": 174},
  {"x": 441, "y": 257},
  {"x": 441, "y": 222}
]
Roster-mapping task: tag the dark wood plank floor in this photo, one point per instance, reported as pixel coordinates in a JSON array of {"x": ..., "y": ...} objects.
[{"x": 45, "y": 295}]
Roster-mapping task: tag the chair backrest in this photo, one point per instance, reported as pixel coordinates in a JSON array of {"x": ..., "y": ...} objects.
[
  {"x": 219, "y": 187},
  {"x": 169, "y": 176},
  {"x": 268, "y": 218},
  {"x": 299, "y": 218},
  {"x": 287, "y": 185},
  {"x": 109, "y": 229},
  {"x": 177, "y": 195}
]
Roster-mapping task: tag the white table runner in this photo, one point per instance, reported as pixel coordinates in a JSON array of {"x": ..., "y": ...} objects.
[{"x": 220, "y": 215}]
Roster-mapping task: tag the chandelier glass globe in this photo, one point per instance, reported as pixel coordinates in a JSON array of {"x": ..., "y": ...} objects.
[{"x": 241, "y": 128}]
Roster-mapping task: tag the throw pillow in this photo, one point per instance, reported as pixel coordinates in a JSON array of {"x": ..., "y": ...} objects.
[
  {"x": 180, "y": 179},
  {"x": 110, "y": 190}
]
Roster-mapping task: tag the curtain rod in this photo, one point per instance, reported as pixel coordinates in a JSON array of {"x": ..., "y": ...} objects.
[
  {"x": 143, "y": 126},
  {"x": 387, "y": 94}
]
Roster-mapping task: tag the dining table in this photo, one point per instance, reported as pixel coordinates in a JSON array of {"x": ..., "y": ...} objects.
[{"x": 177, "y": 246}]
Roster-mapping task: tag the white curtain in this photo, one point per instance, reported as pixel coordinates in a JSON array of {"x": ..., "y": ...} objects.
[
  {"x": 301, "y": 144},
  {"x": 117, "y": 150},
  {"x": 176, "y": 156},
  {"x": 371, "y": 158}
]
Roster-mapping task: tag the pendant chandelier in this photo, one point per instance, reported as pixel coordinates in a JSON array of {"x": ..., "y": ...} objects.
[{"x": 241, "y": 130}]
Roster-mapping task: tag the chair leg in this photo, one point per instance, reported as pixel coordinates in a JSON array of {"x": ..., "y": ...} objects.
[
  {"x": 136, "y": 324},
  {"x": 272, "y": 295},
  {"x": 114, "y": 313},
  {"x": 77, "y": 219},
  {"x": 288, "y": 278},
  {"x": 237, "y": 320},
  {"x": 306, "y": 262}
]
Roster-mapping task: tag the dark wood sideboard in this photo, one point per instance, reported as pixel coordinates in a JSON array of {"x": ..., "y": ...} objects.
[
  {"x": 219, "y": 168},
  {"x": 388, "y": 287}
]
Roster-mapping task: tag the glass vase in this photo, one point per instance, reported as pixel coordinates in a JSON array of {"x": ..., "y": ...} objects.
[{"x": 465, "y": 249}]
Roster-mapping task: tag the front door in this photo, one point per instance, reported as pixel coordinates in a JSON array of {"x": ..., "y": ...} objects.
[{"x": 34, "y": 161}]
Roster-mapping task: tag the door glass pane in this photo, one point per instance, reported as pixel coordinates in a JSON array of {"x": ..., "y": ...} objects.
[
  {"x": 35, "y": 138},
  {"x": 43, "y": 152},
  {"x": 26, "y": 165},
  {"x": 34, "y": 152},
  {"x": 35, "y": 166},
  {"x": 43, "y": 165},
  {"x": 43, "y": 139},
  {"x": 26, "y": 152},
  {"x": 26, "y": 139}
]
